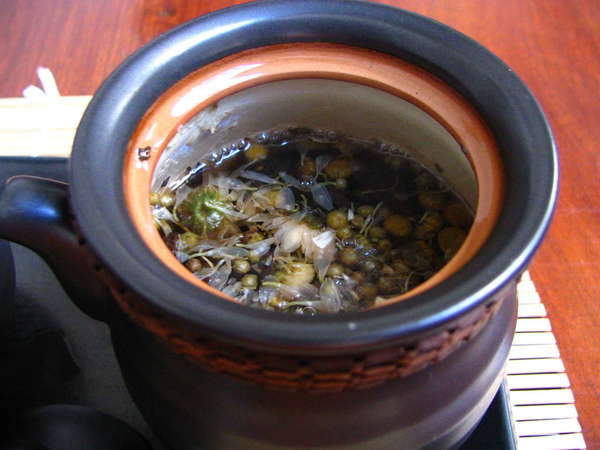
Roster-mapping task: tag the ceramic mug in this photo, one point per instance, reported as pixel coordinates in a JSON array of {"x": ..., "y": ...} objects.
[{"x": 209, "y": 373}]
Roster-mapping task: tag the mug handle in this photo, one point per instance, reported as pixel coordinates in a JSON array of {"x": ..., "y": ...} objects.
[{"x": 34, "y": 212}]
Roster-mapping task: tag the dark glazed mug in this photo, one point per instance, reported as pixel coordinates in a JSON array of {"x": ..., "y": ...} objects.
[{"x": 209, "y": 373}]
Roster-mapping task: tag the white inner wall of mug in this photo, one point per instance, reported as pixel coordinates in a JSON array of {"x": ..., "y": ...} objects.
[{"x": 355, "y": 110}]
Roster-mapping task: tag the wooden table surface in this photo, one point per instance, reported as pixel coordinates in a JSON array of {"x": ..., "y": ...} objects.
[{"x": 553, "y": 45}]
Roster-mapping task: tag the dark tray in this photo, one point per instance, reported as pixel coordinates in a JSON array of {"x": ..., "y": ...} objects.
[{"x": 99, "y": 384}]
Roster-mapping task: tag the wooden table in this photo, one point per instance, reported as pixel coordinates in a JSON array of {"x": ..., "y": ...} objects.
[{"x": 553, "y": 45}]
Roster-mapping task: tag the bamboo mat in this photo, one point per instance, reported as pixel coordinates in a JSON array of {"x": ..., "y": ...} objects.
[
  {"x": 39, "y": 127},
  {"x": 542, "y": 404}
]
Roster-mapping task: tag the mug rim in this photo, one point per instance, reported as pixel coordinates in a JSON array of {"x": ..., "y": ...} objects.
[
  {"x": 504, "y": 102},
  {"x": 209, "y": 85}
]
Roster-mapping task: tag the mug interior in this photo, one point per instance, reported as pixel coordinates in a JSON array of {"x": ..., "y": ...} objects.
[{"x": 356, "y": 92}]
